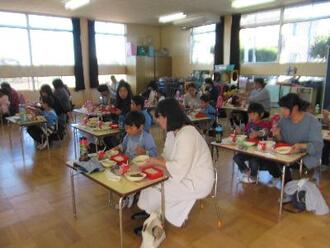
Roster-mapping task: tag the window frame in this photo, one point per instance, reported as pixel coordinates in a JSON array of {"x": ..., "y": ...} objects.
[
  {"x": 192, "y": 34},
  {"x": 28, "y": 28},
  {"x": 281, "y": 23}
]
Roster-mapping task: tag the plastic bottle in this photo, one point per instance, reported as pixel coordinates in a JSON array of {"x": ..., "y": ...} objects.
[
  {"x": 218, "y": 133},
  {"x": 317, "y": 109},
  {"x": 22, "y": 112}
]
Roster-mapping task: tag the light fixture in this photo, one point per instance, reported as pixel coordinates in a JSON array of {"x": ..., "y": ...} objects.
[
  {"x": 75, "y": 4},
  {"x": 236, "y": 4},
  {"x": 172, "y": 17}
]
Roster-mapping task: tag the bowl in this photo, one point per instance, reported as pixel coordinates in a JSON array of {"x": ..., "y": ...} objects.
[
  {"x": 140, "y": 160},
  {"x": 284, "y": 150},
  {"x": 135, "y": 176},
  {"x": 241, "y": 138},
  {"x": 107, "y": 163},
  {"x": 111, "y": 152}
]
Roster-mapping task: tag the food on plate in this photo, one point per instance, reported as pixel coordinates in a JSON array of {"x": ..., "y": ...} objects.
[
  {"x": 108, "y": 163},
  {"x": 151, "y": 171},
  {"x": 135, "y": 176},
  {"x": 111, "y": 152},
  {"x": 140, "y": 160},
  {"x": 283, "y": 149}
]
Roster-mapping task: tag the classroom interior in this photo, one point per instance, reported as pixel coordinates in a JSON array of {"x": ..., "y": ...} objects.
[{"x": 285, "y": 42}]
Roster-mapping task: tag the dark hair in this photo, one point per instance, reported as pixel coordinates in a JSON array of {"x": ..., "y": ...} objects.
[
  {"x": 124, "y": 84},
  {"x": 2, "y": 93},
  {"x": 260, "y": 81},
  {"x": 6, "y": 87},
  {"x": 153, "y": 85},
  {"x": 191, "y": 85},
  {"x": 171, "y": 109},
  {"x": 138, "y": 100},
  {"x": 58, "y": 83},
  {"x": 134, "y": 118},
  {"x": 102, "y": 88},
  {"x": 205, "y": 98},
  {"x": 256, "y": 108},
  {"x": 208, "y": 81},
  {"x": 290, "y": 100},
  {"x": 48, "y": 100},
  {"x": 47, "y": 89}
]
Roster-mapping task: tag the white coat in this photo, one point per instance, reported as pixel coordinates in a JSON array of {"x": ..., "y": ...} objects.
[{"x": 189, "y": 163}]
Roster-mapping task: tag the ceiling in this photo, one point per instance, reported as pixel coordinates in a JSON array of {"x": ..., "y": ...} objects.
[{"x": 131, "y": 11}]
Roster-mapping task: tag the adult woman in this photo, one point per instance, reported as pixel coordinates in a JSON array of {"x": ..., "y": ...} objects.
[
  {"x": 13, "y": 97},
  {"x": 300, "y": 129},
  {"x": 261, "y": 95},
  {"x": 187, "y": 158},
  {"x": 123, "y": 98},
  {"x": 62, "y": 95},
  {"x": 191, "y": 98}
]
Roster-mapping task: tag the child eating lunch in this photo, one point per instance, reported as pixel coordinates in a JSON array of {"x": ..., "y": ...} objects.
[{"x": 255, "y": 129}]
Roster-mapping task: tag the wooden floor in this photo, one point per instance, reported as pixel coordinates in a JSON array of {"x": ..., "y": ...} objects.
[{"x": 35, "y": 208}]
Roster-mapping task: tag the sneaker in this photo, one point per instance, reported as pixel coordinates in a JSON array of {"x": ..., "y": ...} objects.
[
  {"x": 42, "y": 145},
  {"x": 143, "y": 215},
  {"x": 247, "y": 179}
]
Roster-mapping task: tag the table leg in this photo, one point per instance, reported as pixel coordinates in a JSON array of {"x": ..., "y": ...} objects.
[
  {"x": 120, "y": 203},
  {"x": 300, "y": 168},
  {"x": 9, "y": 133},
  {"x": 72, "y": 175},
  {"x": 162, "y": 192},
  {"x": 282, "y": 191},
  {"x": 96, "y": 144},
  {"x": 47, "y": 138},
  {"x": 22, "y": 146},
  {"x": 74, "y": 142}
]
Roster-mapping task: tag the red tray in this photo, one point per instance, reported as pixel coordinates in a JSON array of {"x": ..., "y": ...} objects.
[
  {"x": 120, "y": 158},
  {"x": 152, "y": 175}
]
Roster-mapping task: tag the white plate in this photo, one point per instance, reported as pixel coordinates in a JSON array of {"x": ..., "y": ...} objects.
[
  {"x": 140, "y": 160},
  {"x": 107, "y": 163},
  {"x": 132, "y": 176},
  {"x": 283, "y": 150}
]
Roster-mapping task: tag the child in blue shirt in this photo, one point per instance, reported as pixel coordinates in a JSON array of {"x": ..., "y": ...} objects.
[
  {"x": 138, "y": 105},
  {"x": 137, "y": 141},
  {"x": 207, "y": 108},
  {"x": 39, "y": 133}
]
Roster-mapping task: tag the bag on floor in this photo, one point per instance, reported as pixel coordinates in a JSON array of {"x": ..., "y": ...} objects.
[{"x": 153, "y": 232}]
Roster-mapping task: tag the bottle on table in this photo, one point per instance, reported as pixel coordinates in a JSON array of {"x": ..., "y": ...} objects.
[{"x": 218, "y": 133}]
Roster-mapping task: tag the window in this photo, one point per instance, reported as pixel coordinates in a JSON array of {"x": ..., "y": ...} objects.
[
  {"x": 301, "y": 35},
  {"x": 103, "y": 79},
  {"x": 35, "y": 40},
  {"x": 67, "y": 80},
  {"x": 203, "y": 41},
  {"x": 110, "y": 39}
]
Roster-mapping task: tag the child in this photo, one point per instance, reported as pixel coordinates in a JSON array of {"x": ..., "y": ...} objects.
[
  {"x": 105, "y": 96},
  {"x": 137, "y": 141},
  {"x": 191, "y": 99},
  {"x": 256, "y": 128},
  {"x": 206, "y": 108},
  {"x": 38, "y": 133},
  {"x": 138, "y": 105}
]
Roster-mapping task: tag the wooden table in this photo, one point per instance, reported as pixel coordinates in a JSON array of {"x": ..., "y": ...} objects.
[
  {"x": 82, "y": 111},
  {"x": 232, "y": 107},
  {"x": 286, "y": 160},
  {"x": 97, "y": 134},
  {"x": 121, "y": 188},
  {"x": 16, "y": 121}
]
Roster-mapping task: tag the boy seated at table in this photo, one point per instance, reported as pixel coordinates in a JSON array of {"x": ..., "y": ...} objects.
[
  {"x": 40, "y": 134},
  {"x": 255, "y": 129},
  {"x": 206, "y": 107},
  {"x": 138, "y": 105},
  {"x": 136, "y": 142}
]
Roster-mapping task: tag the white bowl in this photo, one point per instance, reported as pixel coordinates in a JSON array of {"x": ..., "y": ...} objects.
[
  {"x": 107, "y": 163},
  {"x": 140, "y": 160},
  {"x": 135, "y": 176},
  {"x": 283, "y": 150}
]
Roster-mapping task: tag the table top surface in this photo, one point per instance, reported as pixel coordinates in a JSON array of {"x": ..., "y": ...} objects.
[
  {"x": 232, "y": 107},
  {"x": 123, "y": 187},
  {"x": 194, "y": 119},
  {"x": 94, "y": 113},
  {"x": 16, "y": 120},
  {"x": 326, "y": 134},
  {"x": 96, "y": 132},
  {"x": 270, "y": 155}
]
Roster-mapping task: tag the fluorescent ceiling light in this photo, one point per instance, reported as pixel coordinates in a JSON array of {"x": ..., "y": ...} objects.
[
  {"x": 172, "y": 17},
  {"x": 247, "y": 3},
  {"x": 75, "y": 4}
]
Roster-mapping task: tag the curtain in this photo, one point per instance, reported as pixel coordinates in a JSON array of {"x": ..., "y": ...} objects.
[
  {"x": 78, "y": 64},
  {"x": 326, "y": 103},
  {"x": 234, "y": 41},
  {"x": 219, "y": 42},
  {"x": 93, "y": 67}
]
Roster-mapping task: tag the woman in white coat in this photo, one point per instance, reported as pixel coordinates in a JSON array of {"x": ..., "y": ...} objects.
[{"x": 188, "y": 160}]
